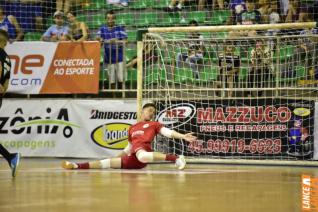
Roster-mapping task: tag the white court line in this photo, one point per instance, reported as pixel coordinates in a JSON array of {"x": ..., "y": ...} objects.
[{"x": 132, "y": 171}]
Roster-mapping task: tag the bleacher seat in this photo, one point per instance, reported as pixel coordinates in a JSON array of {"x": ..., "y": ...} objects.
[
  {"x": 155, "y": 75},
  {"x": 219, "y": 17},
  {"x": 130, "y": 54},
  {"x": 208, "y": 74},
  {"x": 124, "y": 19},
  {"x": 137, "y": 4},
  {"x": 95, "y": 5},
  {"x": 146, "y": 19},
  {"x": 199, "y": 16},
  {"x": 132, "y": 36},
  {"x": 32, "y": 36},
  {"x": 132, "y": 75},
  {"x": 183, "y": 75},
  {"x": 161, "y": 4}
]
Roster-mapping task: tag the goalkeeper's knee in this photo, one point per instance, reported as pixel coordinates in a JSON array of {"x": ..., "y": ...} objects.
[{"x": 145, "y": 157}]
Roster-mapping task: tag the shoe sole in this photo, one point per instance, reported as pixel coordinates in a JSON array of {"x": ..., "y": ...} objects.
[
  {"x": 185, "y": 163},
  {"x": 67, "y": 165}
]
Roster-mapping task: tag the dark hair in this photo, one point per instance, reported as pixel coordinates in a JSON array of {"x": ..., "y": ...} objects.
[
  {"x": 194, "y": 22},
  {"x": 149, "y": 104},
  {"x": 73, "y": 12},
  {"x": 109, "y": 12},
  {"x": 4, "y": 34}
]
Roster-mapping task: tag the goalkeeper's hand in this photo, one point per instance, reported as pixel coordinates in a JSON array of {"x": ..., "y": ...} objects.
[{"x": 189, "y": 137}]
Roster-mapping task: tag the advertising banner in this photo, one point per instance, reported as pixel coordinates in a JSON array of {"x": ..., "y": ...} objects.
[
  {"x": 244, "y": 128},
  {"x": 66, "y": 128},
  {"x": 54, "y": 68}
]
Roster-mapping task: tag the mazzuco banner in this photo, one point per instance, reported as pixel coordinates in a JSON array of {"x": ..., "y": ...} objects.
[{"x": 243, "y": 128}]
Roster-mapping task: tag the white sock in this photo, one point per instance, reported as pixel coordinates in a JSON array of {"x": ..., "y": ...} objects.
[{"x": 105, "y": 163}]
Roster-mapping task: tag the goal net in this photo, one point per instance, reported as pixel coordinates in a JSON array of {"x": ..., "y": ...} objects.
[{"x": 246, "y": 93}]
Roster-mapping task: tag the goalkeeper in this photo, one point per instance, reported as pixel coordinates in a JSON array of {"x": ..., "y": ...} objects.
[{"x": 138, "y": 151}]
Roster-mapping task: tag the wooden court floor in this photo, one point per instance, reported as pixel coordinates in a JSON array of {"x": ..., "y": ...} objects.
[{"x": 41, "y": 185}]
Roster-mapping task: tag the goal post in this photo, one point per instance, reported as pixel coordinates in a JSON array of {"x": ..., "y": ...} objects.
[{"x": 244, "y": 96}]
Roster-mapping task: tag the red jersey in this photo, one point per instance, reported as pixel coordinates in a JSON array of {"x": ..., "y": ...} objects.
[{"x": 142, "y": 134}]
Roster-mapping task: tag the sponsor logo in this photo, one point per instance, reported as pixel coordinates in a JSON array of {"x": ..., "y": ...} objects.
[
  {"x": 145, "y": 126},
  {"x": 111, "y": 135},
  {"x": 26, "y": 65},
  {"x": 176, "y": 115},
  {"x": 137, "y": 133},
  {"x": 19, "y": 124},
  {"x": 301, "y": 111},
  {"x": 96, "y": 114},
  {"x": 234, "y": 114},
  {"x": 309, "y": 197}
]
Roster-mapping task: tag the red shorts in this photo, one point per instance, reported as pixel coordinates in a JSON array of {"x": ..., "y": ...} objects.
[{"x": 131, "y": 162}]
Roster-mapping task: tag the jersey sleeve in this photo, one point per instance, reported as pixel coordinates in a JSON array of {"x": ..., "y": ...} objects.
[{"x": 158, "y": 127}]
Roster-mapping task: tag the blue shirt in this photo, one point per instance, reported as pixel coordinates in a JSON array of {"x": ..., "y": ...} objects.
[
  {"x": 113, "y": 52},
  {"x": 56, "y": 30},
  {"x": 6, "y": 25},
  {"x": 234, "y": 3}
]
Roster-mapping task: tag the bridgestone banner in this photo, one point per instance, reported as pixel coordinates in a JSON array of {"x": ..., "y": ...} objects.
[
  {"x": 243, "y": 128},
  {"x": 66, "y": 128},
  {"x": 54, "y": 68}
]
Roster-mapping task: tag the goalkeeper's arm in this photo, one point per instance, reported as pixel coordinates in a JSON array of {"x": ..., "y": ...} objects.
[
  {"x": 125, "y": 151},
  {"x": 174, "y": 134}
]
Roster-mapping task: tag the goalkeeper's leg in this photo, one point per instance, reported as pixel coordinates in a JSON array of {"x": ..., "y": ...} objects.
[
  {"x": 124, "y": 162},
  {"x": 99, "y": 164},
  {"x": 148, "y": 157}
]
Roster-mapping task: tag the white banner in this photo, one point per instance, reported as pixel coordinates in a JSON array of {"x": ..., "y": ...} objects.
[
  {"x": 66, "y": 128},
  {"x": 30, "y": 65},
  {"x": 48, "y": 67}
]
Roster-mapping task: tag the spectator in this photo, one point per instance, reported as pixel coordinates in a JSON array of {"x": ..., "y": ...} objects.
[
  {"x": 63, "y": 5},
  {"x": 114, "y": 38},
  {"x": 261, "y": 66},
  {"x": 58, "y": 31},
  {"x": 273, "y": 18},
  {"x": 237, "y": 7},
  {"x": 264, "y": 9},
  {"x": 229, "y": 65},
  {"x": 78, "y": 30},
  {"x": 195, "y": 52},
  {"x": 273, "y": 15},
  {"x": 176, "y": 5},
  {"x": 249, "y": 16},
  {"x": 201, "y": 4},
  {"x": 293, "y": 11},
  {"x": 284, "y": 4},
  {"x": 123, "y": 3},
  {"x": 27, "y": 12},
  {"x": 11, "y": 25},
  {"x": 307, "y": 8},
  {"x": 306, "y": 49}
]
